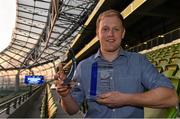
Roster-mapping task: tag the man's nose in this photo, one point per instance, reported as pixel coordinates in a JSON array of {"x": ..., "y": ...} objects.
[{"x": 110, "y": 32}]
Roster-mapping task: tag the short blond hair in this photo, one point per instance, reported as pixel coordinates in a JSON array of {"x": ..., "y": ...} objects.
[{"x": 109, "y": 13}]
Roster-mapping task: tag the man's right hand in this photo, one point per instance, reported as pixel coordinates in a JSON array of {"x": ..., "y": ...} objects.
[
  {"x": 63, "y": 90},
  {"x": 67, "y": 101}
]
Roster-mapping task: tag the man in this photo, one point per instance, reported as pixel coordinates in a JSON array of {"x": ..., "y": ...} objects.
[{"x": 113, "y": 81}]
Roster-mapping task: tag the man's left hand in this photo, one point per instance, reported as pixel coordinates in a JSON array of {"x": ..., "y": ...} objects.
[{"x": 113, "y": 99}]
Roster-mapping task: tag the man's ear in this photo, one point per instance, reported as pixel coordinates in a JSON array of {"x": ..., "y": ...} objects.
[{"x": 123, "y": 34}]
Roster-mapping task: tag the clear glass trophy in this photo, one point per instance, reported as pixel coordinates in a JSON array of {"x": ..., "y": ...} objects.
[{"x": 103, "y": 81}]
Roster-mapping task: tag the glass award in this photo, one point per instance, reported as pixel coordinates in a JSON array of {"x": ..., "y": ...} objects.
[
  {"x": 100, "y": 80},
  {"x": 105, "y": 72}
]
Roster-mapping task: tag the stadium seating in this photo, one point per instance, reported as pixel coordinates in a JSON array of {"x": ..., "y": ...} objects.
[
  {"x": 48, "y": 107},
  {"x": 167, "y": 62}
]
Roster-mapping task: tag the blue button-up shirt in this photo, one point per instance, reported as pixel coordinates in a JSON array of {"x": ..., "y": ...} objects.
[{"x": 128, "y": 73}]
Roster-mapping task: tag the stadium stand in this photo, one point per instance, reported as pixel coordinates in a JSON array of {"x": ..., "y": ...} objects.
[
  {"x": 167, "y": 62},
  {"x": 48, "y": 107}
]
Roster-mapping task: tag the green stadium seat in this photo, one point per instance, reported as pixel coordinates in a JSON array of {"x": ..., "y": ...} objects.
[
  {"x": 176, "y": 54},
  {"x": 170, "y": 70},
  {"x": 168, "y": 55},
  {"x": 161, "y": 55},
  {"x": 157, "y": 59},
  {"x": 154, "y": 63},
  {"x": 162, "y": 63},
  {"x": 175, "y": 60},
  {"x": 177, "y": 46},
  {"x": 148, "y": 56},
  {"x": 172, "y": 113},
  {"x": 178, "y": 74}
]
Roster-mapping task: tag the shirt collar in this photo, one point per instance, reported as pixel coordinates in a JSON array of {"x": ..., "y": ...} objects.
[{"x": 121, "y": 53}]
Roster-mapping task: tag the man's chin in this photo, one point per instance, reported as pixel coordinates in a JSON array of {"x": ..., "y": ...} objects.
[{"x": 111, "y": 50}]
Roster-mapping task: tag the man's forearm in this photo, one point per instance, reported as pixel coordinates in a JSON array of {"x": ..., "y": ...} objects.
[
  {"x": 156, "y": 98},
  {"x": 69, "y": 104}
]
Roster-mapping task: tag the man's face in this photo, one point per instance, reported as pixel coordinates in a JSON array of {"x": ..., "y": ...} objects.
[{"x": 110, "y": 33}]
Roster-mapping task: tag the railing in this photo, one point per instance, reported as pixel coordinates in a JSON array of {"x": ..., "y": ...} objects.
[
  {"x": 161, "y": 39},
  {"x": 15, "y": 102}
]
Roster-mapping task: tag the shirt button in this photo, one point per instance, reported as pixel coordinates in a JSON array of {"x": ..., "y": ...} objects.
[
  {"x": 113, "y": 110},
  {"x": 110, "y": 78}
]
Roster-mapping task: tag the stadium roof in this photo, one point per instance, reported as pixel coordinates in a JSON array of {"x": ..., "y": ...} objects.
[{"x": 44, "y": 31}]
